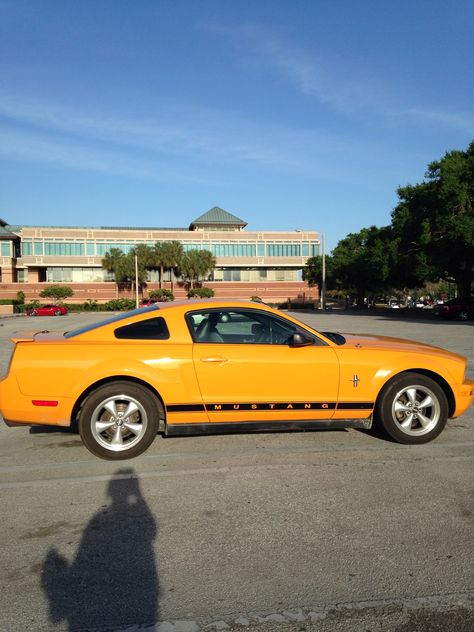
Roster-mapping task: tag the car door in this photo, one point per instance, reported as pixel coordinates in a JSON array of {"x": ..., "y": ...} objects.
[{"x": 247, "y": 369}]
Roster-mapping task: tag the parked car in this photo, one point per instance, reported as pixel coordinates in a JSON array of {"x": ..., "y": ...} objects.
[
  {"x": 394, "y": 303},
  {"x": 455, "y": 308},
  {"x": 145, "y": 302},
  {"x": 226, "y": 366},
  {"x": 47, "y": 310}
]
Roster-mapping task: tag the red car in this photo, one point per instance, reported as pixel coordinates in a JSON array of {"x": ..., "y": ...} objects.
[
  {"x": 148, "y": 301},
  {"x": 455, "y": 308},
  {"x": 47, "y": 310}
]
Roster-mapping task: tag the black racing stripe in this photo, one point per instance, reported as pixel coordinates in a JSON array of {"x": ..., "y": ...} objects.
[
  {"x": 236, "y": 407},
  {"x": 246, "y": 406},
  {"x": 185, "y": 408},
  {"x": 355, "y": 405}
]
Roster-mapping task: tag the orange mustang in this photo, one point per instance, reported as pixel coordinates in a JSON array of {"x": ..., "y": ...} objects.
[{"x": 193, "y": 367}]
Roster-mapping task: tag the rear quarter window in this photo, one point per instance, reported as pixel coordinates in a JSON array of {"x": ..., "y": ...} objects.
[{"x": 150, "y": 329}]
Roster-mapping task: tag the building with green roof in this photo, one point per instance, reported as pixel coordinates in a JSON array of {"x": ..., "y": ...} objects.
[{"x": 264, "y": 263}]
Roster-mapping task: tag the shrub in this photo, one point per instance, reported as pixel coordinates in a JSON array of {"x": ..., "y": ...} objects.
[
  {"x": 90, "y": 306},
  {"x": 162, "y": 295},
  {"x": 20, "y": 297},
  {"x": 201, "y": 292},
  {"x": 120, "y": 305},
  {"x": 256, "y": 299}
]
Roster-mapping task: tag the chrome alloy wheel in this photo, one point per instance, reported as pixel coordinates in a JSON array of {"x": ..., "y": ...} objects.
[
  {"x": 119, "y": 422},
  {"x": 416, "y": 410}
]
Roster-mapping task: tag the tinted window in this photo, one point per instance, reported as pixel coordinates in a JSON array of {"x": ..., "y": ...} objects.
[
  {"x": 151, "y": 329},
  {"x": 114, "y": 319},
  {"x": 241, "y": 327}
]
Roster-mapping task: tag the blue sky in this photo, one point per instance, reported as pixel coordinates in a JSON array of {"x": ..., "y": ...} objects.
[{"x": 292, "y": 114}]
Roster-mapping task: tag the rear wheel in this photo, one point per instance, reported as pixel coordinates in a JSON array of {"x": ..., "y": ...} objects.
[
  {"x": 119, "y": 421},
  {"x": 57, "y": 312},
  {"x": 463, "y": 315},
  {"x": 412, "y": 408}
]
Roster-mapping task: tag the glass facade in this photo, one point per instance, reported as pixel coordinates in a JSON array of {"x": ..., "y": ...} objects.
[
  {"x": 77, "y": 275},
  {"x": 252, "y": 257},
  {"x": 256, "y": 275},
  {"x": 221, "y": 248}
]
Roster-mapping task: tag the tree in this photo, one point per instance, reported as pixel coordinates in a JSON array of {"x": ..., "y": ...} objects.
[
  {"x": 434, "y": 223},
  {"x": 361, "y": 262},
  {"x": 196, "y": 264},
  {"x": 57, "y": 292},
  {"x": 130, "y": 271},
  {"x": 313, "y": 272},
  {"x": 173, "y": 253},
  {"x": 114, "y": 262}
]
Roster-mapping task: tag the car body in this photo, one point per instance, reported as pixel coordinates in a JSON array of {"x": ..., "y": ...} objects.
[
  {"x": 47, "y": 310},
  {"x": 394, "y": 303},
  {"x": 455, "y": 308},
  {"x": 219, "y": 366}
]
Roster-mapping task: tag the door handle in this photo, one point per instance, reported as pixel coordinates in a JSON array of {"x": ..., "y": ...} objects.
[{"x": 214, "y": 359}]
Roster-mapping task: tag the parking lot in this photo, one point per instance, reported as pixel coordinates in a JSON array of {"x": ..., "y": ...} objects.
[{"x": 326, "y": 530}]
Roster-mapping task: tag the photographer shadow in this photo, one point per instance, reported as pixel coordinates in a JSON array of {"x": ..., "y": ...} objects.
[{"x": 113, "y": 580}]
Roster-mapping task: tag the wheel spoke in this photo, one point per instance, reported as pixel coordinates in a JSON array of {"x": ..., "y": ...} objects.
[
  {"x": 103, "y": 425},
  {"x": 411, "y": 394},
  {"x": 111, "y": 408},
  {"x": 424, "y": 420},
  {"x": 135, "y": 428},
  {"x": 400, "y": 407},
  {"x": 426, "y": 402},
  {"x": 406, "y": 425},
  {"x": 117, "y": 439},
  {"x": 131, "y": 408}
]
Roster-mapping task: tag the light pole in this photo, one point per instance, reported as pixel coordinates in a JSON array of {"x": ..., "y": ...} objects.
[
  {"x": 136, "y": 281},
  {"x": 323, "y": 284}
]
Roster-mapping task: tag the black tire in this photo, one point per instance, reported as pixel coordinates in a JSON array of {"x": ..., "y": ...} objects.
[
  {"x": 34, "y": 313},
  {"x": 108, "y": 432},
  {"x": 412, "y": 409},
  {"x": 57, "y": 312},
  {"x": 463, "y": 315}
]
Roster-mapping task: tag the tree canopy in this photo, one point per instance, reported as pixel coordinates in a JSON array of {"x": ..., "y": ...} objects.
[
  {"x": 57, "y": 292},
  {"x": 431, "y": 237},
  {"x": 434, "y": 223}
]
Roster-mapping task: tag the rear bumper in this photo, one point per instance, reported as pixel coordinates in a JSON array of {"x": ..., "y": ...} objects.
[{"x": 18, "y": 409}]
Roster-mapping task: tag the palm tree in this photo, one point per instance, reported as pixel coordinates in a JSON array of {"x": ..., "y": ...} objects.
[
  {"x": 144, "y": 261},
  {"x": 196, "y": 264},
  {"x": 172, "y": 255},
  {"x": 113, "y": 261}
]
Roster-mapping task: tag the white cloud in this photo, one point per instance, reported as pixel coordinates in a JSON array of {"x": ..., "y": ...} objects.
[{"x": 339, "y": 82}]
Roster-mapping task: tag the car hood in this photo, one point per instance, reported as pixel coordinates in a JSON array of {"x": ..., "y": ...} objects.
[{"x": 370, "y": 342}]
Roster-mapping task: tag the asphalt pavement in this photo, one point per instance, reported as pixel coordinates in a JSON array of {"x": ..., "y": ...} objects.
[{"x": 320, "y": 531}]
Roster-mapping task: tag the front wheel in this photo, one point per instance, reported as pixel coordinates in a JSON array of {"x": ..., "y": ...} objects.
[
  {"x": 412, "y": 408},
  {"x": 57, "y": 312},
  {"x": 119, "y": 421},
  {"x": 463, "y": 315}
]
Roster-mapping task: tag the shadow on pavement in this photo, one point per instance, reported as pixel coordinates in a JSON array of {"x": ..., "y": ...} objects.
[{"x": 112, "y": 581}]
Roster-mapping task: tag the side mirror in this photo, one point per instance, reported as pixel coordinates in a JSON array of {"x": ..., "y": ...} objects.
[{"x": 300, "y": 340}]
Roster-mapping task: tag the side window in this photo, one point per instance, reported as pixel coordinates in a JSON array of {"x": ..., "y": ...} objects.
[
  {"x": 240, "y": 327},
  {"x": 150, "y": 329}
]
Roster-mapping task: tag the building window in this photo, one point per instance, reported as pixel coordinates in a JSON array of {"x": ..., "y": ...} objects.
[
  {"x": 26, "y": 248},
  {"x": 6, "y": 249},
  {"x": 22, "y": 276},
  {"x": 77, "y": 275},
  {"x": 64, "y": 249},
  {"x": 38, "y": 248}
]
